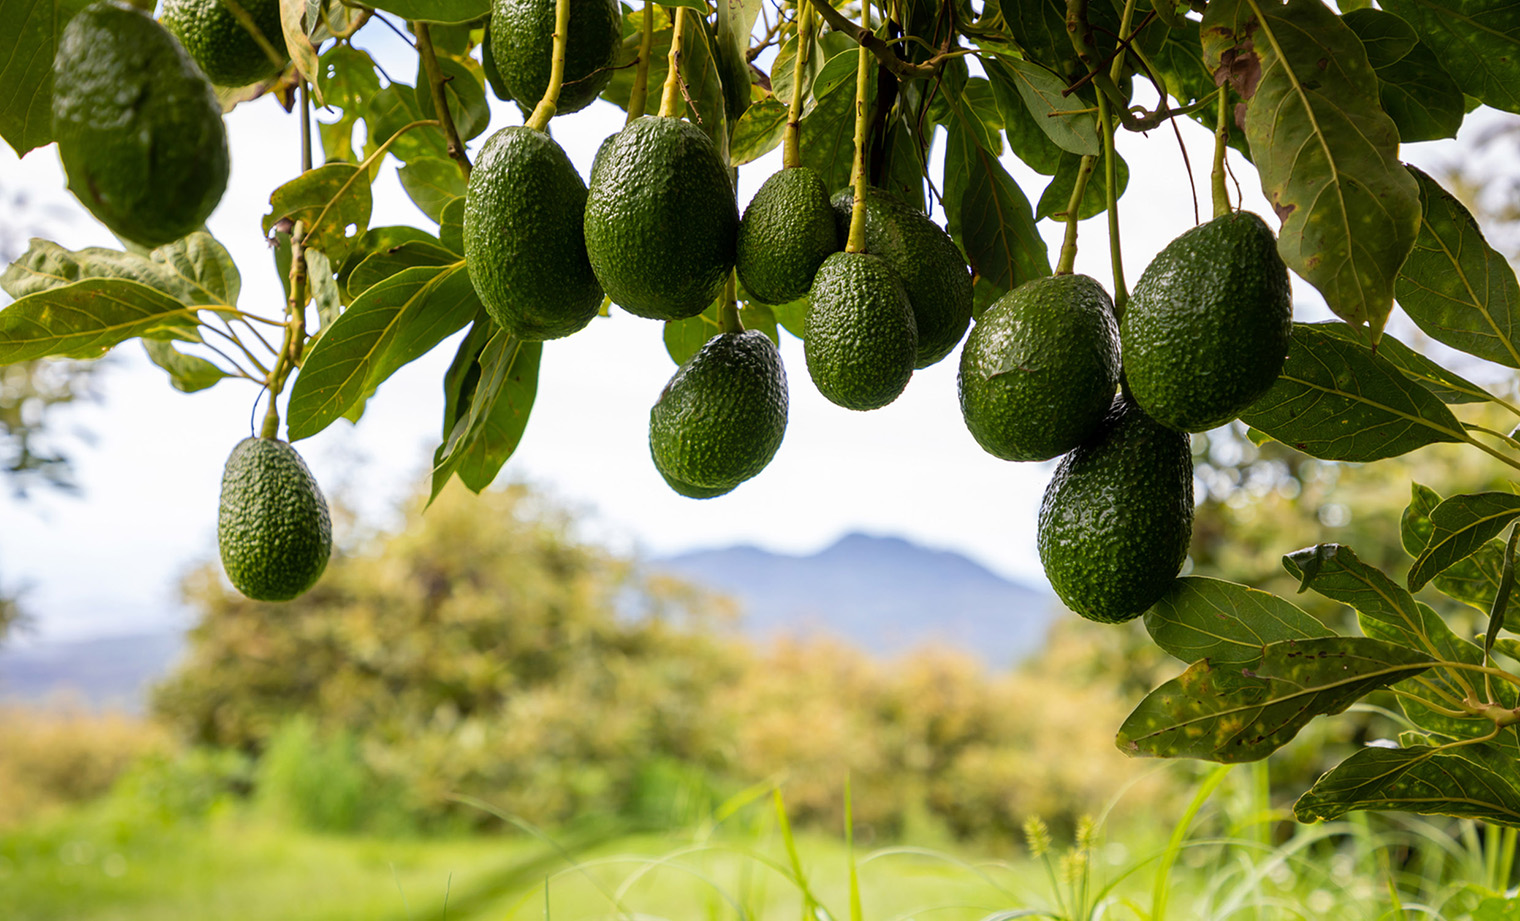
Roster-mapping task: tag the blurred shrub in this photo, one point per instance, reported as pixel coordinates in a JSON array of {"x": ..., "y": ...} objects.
[
  {"x": 56, "y": 756},
  {"x": 167, "y": 787}
]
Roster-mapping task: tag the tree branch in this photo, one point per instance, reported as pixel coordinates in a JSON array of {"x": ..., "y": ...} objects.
[{"x": 440, "y": 99}]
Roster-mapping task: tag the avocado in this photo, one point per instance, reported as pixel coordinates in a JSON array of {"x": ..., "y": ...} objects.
[
  {"x": 522, "y": 48},
  {"x": 1206, "y": 331},
  {"x": 139, "y": 129},
  {"x": 860, "y": 340},
  {"x": 523, "y": 239},
  {"x": 722, "y": 416},
  {"x": 786, "y": 233},
  {"x": 661, "y": 219},
  {"x": 933, "y": 273},
  {"x": 1117, "y": 516},
  {"x": 273, "y": 529},
  {"x": 1040, "y": 367},
  {"x": 221, "y": 43}
]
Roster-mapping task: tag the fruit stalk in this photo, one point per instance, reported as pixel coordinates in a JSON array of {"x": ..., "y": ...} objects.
[
  {"x": 673, "y": 75},
  {"x": 791, "y": 151},
  {"x": 638, "y": 99},
  {"x": 856, "y": 242},
  {"x": 430, "y": 67},
  {"x": 1068, "y": 259},
  {"x": 1221, "y": 141},
  {"x": 295, "y": 331},
  {"x": 305, "y": 128},
  {"x": 728, "y": 315},
  {"x": 1110, "y": 177}
]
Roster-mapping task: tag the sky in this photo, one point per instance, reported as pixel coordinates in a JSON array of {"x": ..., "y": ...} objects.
[{"x": 148, "y": 459}]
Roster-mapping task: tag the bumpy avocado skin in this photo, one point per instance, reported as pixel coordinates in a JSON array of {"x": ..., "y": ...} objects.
[
  {"x": 786, "y": 233},
  {"x": 522, "y": 47},
  {"x": 861, "y": 340},
  {"x": 138, "y": 126},
  {"x": 721, "y": 418},
  {"x": 1206, "y": 331},
  {"x": 221, "y": 45},
  {"x": 933, "y": 273},
  {"x": 273, "y": 528},
  {"x": 661, "y": 219},
  {"x": 524, "y": 243},
  {"x": 1117, "y": 517}
]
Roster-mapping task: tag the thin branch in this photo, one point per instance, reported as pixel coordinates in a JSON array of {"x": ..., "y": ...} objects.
[
  {"x": 881, "y": 49},
  {"x": 436, "y": 82}
]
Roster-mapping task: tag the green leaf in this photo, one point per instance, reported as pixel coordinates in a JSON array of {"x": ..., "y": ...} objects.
[
  {"x": 758, "y": 131},
  {"x": 464, "y": 89},
  {"x": 1057, "y": 194},
  {"x": 322, "y": 287},
  {"x": 29, "y": 32},
  {"x": 699, "y": 69},
  {"x": 445, "y": 11},
  {"x": 1027, "y": 138},
  {"x": 432, "y": 183},
  {"x": 348, "y": 77},
  {"x": 382, "y": 264},
  {"x": 1502, "y": 597},
  {"x": 1337, "y": 399},
  {"x": 838, "y": 71},
  {"x": 990, "y": 215},
  {"x": 390, "y": 324},
  {"x": 1474, "y": 781},
  {"x": 684, "y": 338},
  {"x": 451, "y": 227},
  {"x": 1416, "y": 92},
  {"x": 1475, "y": 580},
  {"x": 1326, "y": 152},
  {"x": 1459, "y": 527},
  {"x": 392, "y": 109},
  {"x": 1058, "y": 116},
  {"x": 333, "y": 200},
  {"x": 828, "y": 138},
  {"x": 1448, "y": 386},
  {"x": 187, "y": 373},
  {"x": 196, "y": 270},
  {"x": 375, "y": 240},
  {"x": 1223, "y": 622},
  {"x": 492, "y": 420},
  {"x": 86, "y": 318},
  {"x": 1478, "y": 41},
  {"x": 1230, "y": 714},
  {"x": 1455, "y": 286}
]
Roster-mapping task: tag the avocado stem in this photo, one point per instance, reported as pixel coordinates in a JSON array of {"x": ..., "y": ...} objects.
[
  {"x": 441, "y": 111},
  {"x": 1068, "y": 258},
  {"x": 1110, "y": 174},
  {"x": 856, "y": 243},
  {"x": 305, "y": 127},
  {"x": 638, "y": 99},
  {"x": 669, "y": 99},
  {"x": 728, "y": 314},
  {"x": 539, "y": 120},
  {"x": 791, "y": 151},
  {"x": 1221, "y": 143},
  {"x": 295, "y": 331}
]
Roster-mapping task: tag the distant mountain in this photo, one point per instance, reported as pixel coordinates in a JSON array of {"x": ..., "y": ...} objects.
[
  {"x": 108, "y": 671},
  {"x": 884, "y": 594}
]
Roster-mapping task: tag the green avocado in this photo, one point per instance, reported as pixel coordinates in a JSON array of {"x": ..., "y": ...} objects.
[
  {"x": 139, "y": 129},
  {"x": 220, "y": 42},
  {"x": 1040, "y": 368},
  {"x": 273, "y": 529},
  {"x": 1117, "y": 516},
  {"x": 522, "y": 48},
  {"x": 721, "y": 418},
  {"x": 933, "y": 273},
  {"x": 1206, "y": 331},
  {"x": 661, "y": 219},
  {"x": 786, "y": 233},
  {"x": 524, "y": 244},
  {"x": 860, "y": 340}
]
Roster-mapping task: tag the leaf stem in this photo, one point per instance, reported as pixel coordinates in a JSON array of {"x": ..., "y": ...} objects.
[
  {"x": 791, "y": 151},
  {"x": 230, "y": 337},
  {"x": 1431, "y": 705},
  {"x": 671, "y": 94},
  {"x": 305, "y": 127},
  {"x": 1068, "y": 258},
  {"x": 1437, "y": 690},
  {"x": 1219, "y": 191},
  {"x": 856, "y": 242},
  {"x": 436, "y": 82},
  {"x": 638, "y": 99},
  {"x": 1492, "y": 452}
]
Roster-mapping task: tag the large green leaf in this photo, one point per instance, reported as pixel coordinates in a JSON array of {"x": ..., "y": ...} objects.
[
  {"x": 1230, "y": 713},
  {"x": 1474, "y": 781},
  {"x": 333, "y": 200},
  {"x": 1478, "y": 41},
  {"x": 990, "y": 216},
  {"x": 1326, "y": 152},
  {"x": 1474, "y": 580},
  {"x": 1455, "y": 286},
  {"x": 187, "y": 373},
  {"x": 446, "y": 11},
  {"x": 490, "y": 416},
  {"x": 390, "y": 324},
  {"x": 464, "y": 91},
  {"x": 29, "y": 31},
  {"x": 758, "y": 131},
  {"x": 382, "y": 264},
  {"x": 86, "y": 318},
  {"x": 1060, "y": 117},
  {"x": 1447, "y": 385},
  {"x": 1416, "y": 92},
  {"x": 392, "y": 109},
  {"x": 1339, "y": 400},
  {"x": 1027, "y": 138},
  {"x": 196, "y": 270},
  {"x": 1459, "y": 527},
  {"x": 972, "y": 109},
  {"x": 1057, "y": 194},
  {"x": 431, "y": 183},
  {"x": 1201, "y": 618},
  {"x": 828, "y": 138}
]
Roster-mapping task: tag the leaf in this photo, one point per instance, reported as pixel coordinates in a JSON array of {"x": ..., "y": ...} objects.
[
  {"x": 828, "y": 138},
  {"x": 698, "y": 66},
  {"x": 491, "y": 427},
  {"x": 1448, "y": 386},
  {"x": 1058, "y": 116},
  {"x": 1229, "y": 713},
  {"x": 1474, "y": 781},
  {"x": 1326, "y": 152},
  {"x": 444, "y": 11},
  {"x": 380, "y": 265},
  {"x": 1459, "y": 527},
  {"x": 684, "y": 338},
  {"x": 1475, "y": 580},
  {"x": 333, "y": 200},
  {"x": 432, "y": 183},
  {"x": 990, "y": 215},
  {"x": 1478, "y": 41},
  {"x": 1416, "y": 92},
  {"x": 735, "y": 20},
  {"x": 392, "y": 109},
  {"x": 297, "y": 19},
  {"x": 375, "y": 240},
  {"x": 29, "y": 31},
  {"x": 86, "y": 318},
  {"x": 758, "y": 131},
  {"x": 1454, "y": 286},
  {"x": 322, "y": 288},
  {"x": 390, "y": 324},
  {"x": 451, "y": 227},
  {"x": 1226, "y": 623},
  {"x": 837, "y": 71},
  {"x": 1501, "y": 598},
  {"x": 187, "y": 373},
  {"x": 1028, "y": 139},
  {"x": 1337, "y": 399},
  {"x": 465, "y": 91},
  {"x": 1057, "y": 194},
  {"x": 195, "y": 270}
]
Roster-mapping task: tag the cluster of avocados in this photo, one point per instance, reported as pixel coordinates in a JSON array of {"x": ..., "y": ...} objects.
[{"x": 1203, "y": 337}]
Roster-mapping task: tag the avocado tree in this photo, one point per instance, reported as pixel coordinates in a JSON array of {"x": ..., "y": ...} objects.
[{"x": 521, "y": 249}]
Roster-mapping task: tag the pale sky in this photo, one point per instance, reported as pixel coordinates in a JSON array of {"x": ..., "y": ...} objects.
[{"x": 108, "y": 560}]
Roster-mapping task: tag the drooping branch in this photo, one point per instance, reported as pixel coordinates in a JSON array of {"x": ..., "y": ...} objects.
[
  {"x": 440, "y": 98},
  {"x": 863, "y": 37}
]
